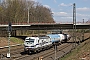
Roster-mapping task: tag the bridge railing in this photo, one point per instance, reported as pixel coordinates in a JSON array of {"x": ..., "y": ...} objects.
[{"x": 25, "y": 23}]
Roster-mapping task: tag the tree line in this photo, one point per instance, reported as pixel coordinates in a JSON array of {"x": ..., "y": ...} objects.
[{"x": 23, "y": 11}]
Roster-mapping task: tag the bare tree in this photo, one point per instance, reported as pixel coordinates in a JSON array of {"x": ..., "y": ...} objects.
[{"x": 16, "y": 11}]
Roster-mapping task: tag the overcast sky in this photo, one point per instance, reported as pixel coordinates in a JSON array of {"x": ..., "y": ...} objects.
[{"x": 62, "y": 9}]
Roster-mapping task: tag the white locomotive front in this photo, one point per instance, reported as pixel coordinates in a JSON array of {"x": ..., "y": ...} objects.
[{"x": 35, "y": 44}]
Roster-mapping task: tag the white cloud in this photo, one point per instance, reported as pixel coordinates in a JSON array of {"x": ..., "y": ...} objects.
[
  {"x": 62, "y": 17},
  {"x": 63, "y": 4},
  {"x": 68, "y": 17},
  {"x": 47, "y": 6},
  {"x": 62, "y": 14},
  {"x": 30, "y": 0},
  {"x": 81, "y": 16},
  {"x": 33, "y": 0},
  {"x": 83, "y": 9}
]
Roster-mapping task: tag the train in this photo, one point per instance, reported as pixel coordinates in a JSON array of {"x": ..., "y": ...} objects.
[{"x": 37, "y": 44}]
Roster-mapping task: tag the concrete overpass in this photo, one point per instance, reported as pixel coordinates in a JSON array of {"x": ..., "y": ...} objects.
[{"x": 46, "y": 26}]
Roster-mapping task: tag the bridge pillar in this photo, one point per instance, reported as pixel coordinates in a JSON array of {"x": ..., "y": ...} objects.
[
  {"x": 3, "y": 33},
  {"x": 13, "y": 33},
  {"x": 19, "y": 32}
]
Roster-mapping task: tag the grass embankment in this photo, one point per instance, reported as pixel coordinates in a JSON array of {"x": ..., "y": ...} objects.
[
  {"x": 82, "y": 52},
  {"x": 16, "y": 40}
]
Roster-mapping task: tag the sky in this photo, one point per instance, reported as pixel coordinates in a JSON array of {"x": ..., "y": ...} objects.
[{"x": 63, "y": 9}]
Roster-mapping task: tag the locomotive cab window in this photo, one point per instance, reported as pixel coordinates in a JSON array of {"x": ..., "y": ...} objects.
[
  {"x": 38, "y": 41},
  {"x": 30, "y": 40}
]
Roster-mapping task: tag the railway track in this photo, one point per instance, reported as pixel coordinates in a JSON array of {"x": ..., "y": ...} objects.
[
  {"x": 47, "y": 54},
  {"x": 52, "y": 53},
  {"x": 17, "y": 55},
  {"x": 14, "y": 50},
  {"x": 43, "y": 54}
]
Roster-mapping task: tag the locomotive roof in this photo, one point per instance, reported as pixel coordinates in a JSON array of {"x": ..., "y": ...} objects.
[
  {"x": 44, "y": 37},
  {"x": 53, "y": 35}
]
